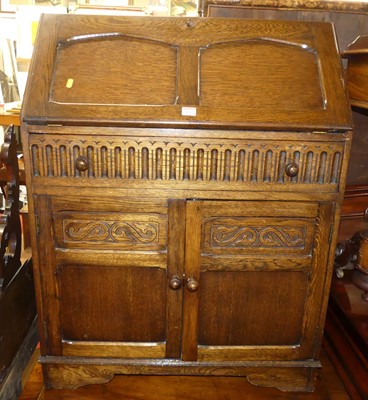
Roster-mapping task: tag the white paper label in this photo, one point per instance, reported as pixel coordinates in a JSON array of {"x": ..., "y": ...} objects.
[{"x": 188, "y": 111}]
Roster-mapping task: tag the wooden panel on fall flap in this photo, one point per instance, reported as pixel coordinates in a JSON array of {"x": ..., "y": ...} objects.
[
  {"x": 196, "y": 71},
  {"x": 79, "y": 80},
  {"x": 295, "y": 66}
]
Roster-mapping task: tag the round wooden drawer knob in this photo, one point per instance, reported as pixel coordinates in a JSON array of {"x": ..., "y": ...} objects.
[
  {"x": 81, "y": 163},
  {"x": 292, "y": 170}
]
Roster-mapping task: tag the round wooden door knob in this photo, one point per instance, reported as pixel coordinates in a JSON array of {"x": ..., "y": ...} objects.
[
  {"x": 192, "y": 285},
  {"x": 175, "y": 283}
]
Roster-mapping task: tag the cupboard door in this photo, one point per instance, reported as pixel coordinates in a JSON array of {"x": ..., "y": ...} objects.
[
  {"x": 255, "y": 273},
  {"x": 112, "y": 271}
]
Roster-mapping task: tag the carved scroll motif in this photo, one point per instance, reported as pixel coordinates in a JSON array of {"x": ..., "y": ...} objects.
[
  {"x": 257, "y": 236},
  {"x": 111, "y": 231}
]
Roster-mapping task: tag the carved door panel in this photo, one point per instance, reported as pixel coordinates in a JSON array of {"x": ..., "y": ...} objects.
[
  {"x": 109, "y": 266},
  {"x": 255, "y": 274}
]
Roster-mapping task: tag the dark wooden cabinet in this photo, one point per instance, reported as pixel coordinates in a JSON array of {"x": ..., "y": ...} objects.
[
  {"x": 185, "y": 180},
  {"x": 18, "y": 327}
]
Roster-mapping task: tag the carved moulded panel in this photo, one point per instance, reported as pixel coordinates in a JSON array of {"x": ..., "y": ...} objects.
[
  {"x": 257, "y": 235},
  {"x": 187, "y": 159},
  {"x": 120, "y": 231},
  {"x": 110, "y": 231}
]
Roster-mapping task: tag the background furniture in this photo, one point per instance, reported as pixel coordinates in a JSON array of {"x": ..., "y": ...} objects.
[
  {"x": 350, "y": 18},
  {"x": 7, "y": 119},
  {"x": 346, "y": 330},
  {"x": 17, "y": 296}
]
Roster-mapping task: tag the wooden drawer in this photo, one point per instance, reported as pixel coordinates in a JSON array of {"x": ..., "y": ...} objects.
[{"x": 155, "y": 159}]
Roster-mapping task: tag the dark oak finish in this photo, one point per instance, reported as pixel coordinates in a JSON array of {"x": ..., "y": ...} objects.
[{"x": 185, "y": 216}]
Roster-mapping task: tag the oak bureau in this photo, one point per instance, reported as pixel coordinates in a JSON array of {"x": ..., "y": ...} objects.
[{"x": 185, "y": 179}]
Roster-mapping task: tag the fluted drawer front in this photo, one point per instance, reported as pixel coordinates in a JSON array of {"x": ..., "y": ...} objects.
[{"x": 213, "y": 160}]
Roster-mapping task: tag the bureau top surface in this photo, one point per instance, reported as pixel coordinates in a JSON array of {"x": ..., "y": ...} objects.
[{"x": 186, "y": 72}]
